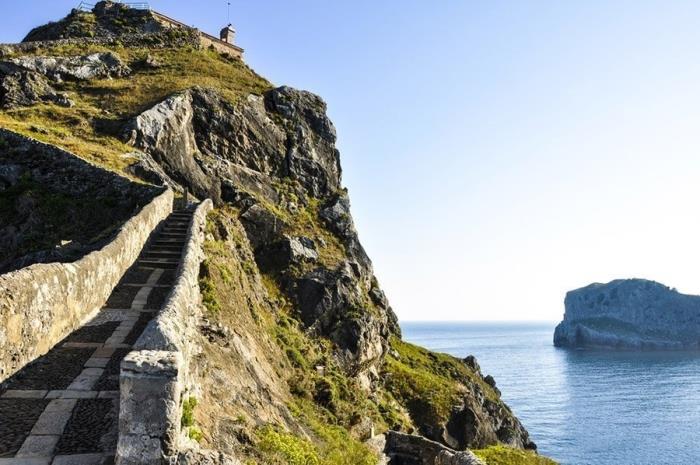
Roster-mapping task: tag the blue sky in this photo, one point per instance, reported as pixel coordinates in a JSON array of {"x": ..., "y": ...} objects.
[{"x": 497, "y": 153}]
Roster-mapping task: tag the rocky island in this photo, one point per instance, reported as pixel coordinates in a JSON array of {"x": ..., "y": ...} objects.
[
  {"x": 630, "y": 314},
  {"x": 254, "y": 304}
]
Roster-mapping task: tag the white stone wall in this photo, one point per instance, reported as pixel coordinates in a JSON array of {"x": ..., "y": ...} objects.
[
  {"x": 43, "y": 303},
  {"x": 156, "y": 376}
]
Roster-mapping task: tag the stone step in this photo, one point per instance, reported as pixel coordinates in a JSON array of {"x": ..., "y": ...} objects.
[
  {"x": 167, "y": 248},
  {"x": 156, "y": 255},
  {"x": 169, "y": 243},
  {"x": 182, "y": 232},
  {"x": 165, "y": 252},
  {"x": 167, "y": 265},
  {"x": 182, "y": 237}
]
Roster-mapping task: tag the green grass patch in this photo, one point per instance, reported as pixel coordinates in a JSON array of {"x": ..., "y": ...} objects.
[
  {"x": 281, "y": 448},
  {"x": 188, "y": 406},
  {"x": 91, "y": 129},
  {"x": 503, "y": 455},
  {"x": 429, "y": 384}
]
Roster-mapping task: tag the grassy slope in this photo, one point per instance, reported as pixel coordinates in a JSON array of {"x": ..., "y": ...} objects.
[
  {"x": 428, "y": 382},
  {"x": 90, "y": 128},
  {"x": 501, "y": 455},
  {"x": 327, "y": 407}
]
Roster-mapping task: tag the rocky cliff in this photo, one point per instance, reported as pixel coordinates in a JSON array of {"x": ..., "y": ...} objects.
[
  {"x": 302, "y": 354},
  {"x": 629, "y": 314}
]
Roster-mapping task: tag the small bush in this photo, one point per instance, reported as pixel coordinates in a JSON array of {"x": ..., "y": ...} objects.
[
  {"x": 195, "y": 434},
  {"x": 285, "y": 448},
  {"x": 188, "y": 406}
]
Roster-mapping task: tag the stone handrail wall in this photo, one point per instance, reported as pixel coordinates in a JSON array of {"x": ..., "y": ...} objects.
[
  {"x": 155, "y": 376},
  {"x": 43, "y": 303}
]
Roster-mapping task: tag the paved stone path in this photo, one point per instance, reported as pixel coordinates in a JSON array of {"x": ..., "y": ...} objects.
[{"x": 63, "y": 408}]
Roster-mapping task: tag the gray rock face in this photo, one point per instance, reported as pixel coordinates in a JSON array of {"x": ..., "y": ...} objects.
[
  {"x": 289, "y": 251},
  {"x": 81, "y": 68},
  {"x": 630, "y": 314},
  {"x": 416, "y": 450},
  {"x": 21, "y": 87},
  {"x": 241, "y": 155},
  {"x": 202, "y": 141},
  {"x": 165, "y": 132},
  {"x": 331, "y": 302}
]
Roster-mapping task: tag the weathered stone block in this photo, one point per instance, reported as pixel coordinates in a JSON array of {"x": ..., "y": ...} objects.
[{"x": 149, "y": 418}]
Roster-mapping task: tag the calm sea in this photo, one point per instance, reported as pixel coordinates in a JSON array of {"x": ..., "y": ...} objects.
[{"x": 584, "y": 407}]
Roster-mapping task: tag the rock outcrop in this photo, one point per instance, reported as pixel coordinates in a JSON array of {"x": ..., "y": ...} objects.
[
  {"x": 630, "y": 314},
  {"x": 271, "y": 153},
  {"x": 108, "y": 19},
  {"x": 407, "y": 449},
  {"x": 21, "y": 87},
  {"x": 81, "y": 68}
]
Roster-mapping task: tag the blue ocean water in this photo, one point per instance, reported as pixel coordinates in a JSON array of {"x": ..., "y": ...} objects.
[{"x": 584, "y": 407}]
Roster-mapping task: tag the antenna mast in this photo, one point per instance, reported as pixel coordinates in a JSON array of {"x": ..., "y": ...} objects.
[{"x": 228, "y": 12}]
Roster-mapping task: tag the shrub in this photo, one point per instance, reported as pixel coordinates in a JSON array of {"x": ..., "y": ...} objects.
[
  {"x": 285, "y": 448},
  {"x": 188, "y": 406}
]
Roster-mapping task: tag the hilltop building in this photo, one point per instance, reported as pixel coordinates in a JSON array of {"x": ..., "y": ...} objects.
[{"x": 223, "y": 44}]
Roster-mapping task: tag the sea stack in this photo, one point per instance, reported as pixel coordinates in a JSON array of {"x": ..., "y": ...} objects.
[{"x": 629, "y": 314}]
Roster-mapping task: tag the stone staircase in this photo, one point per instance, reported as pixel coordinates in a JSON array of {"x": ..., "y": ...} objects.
[{"x": 63, "y": 408}]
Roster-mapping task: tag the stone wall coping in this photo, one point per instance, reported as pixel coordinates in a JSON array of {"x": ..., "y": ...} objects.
[{"x": 168, "y": 331}]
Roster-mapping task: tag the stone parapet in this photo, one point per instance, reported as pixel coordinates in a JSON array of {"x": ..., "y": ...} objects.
[
  {"x": 159, "y": 366},
  {"x": 43, "y": 303}
]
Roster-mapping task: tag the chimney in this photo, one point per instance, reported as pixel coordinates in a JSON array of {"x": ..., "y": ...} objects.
[{"x": 228, "y": 34}]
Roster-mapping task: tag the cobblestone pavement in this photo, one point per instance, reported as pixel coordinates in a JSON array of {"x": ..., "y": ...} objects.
[{"x": 63, "y": 408}]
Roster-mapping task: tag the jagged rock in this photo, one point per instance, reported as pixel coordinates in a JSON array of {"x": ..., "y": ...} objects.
[
  {"x": 147, "y": 169},
  {"x": 165, "y": 133},
  {"x": 630, "y": 314},
  {"x": 199, "y": 146},
  {"x": 261, "y": 226},
  {"x": 416, "y": 450},
  {"x": 81, "y": 68},
  {"x": 20, "y": 87},
  {"x": 472, "y": 363},
  {"x": 311, "y": 155},
  {"x": 337, "y": 217},
  {"x": 288, "y": 252},
  {"x": 331, "y": 301},
  {"x": 479, "y": 421}
]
